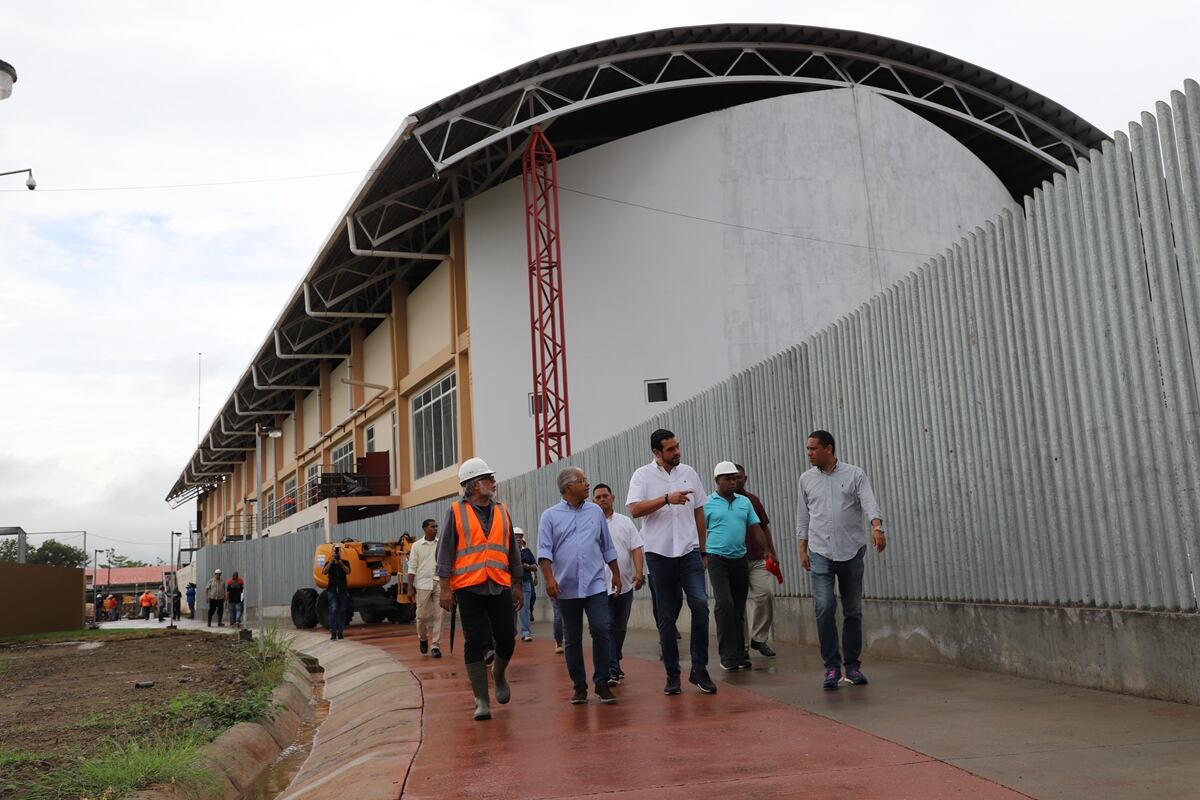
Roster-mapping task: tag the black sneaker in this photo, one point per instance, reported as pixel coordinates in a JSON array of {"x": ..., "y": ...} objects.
[
  {"x": 436, "y": 653},
  {"x": 729, "y": 666},
  {"x": 832, "y": 678},
  {"x": 672, "y": 686},
  {"x": 855, "y": 676},
  {"x": 701, "y": 679},
  {"x": 605, "y": 694},
  {"x": 579, "y": 698},
  {"x": 745, "y": 664},
  {"x": 763, "y": 648},
  {"x": 424, "y": 646}
]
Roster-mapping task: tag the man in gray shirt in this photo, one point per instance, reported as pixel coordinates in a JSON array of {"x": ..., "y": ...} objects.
[{"x": 833, "y": 499}]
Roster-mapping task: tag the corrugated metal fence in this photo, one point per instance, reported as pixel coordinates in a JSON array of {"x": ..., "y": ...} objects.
[
  {"x": 1025, "y": 403},
  {"x": 288, "y": 562}
]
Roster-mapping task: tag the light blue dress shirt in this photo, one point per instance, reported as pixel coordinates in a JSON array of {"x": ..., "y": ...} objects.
[{"x": 578, "y": 543}]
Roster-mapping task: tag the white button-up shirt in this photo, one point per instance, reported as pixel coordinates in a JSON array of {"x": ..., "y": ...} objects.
[
  {"x": 422, "y": 561},
  {"x": 831, "y": 508},
  {"x": 626, "y": 538},
  {"x": 670, "y": 531}
]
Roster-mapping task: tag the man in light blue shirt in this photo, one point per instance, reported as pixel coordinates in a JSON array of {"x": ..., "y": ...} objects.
[
  {"x": 729, "y": 518},
  {"x": 574, "y": 544}
]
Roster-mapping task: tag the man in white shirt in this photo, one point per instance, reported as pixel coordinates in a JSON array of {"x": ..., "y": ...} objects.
[
  {"x": 627, "y": 539},
  {"x": 424, "y": 589},
  {"x": 833, "y": 499},
  {"x": 670, "y": 497}
]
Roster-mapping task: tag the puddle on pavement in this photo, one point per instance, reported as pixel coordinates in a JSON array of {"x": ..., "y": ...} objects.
[{"x": 276, "y": 777}]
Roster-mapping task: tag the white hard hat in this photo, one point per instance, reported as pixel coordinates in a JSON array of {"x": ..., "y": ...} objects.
[
  {"x": 473, "y": 468},
  {"x": 216, "y": 571},
  {"x": 517, "y": 531},
  {"x": 725, "y": 468}
]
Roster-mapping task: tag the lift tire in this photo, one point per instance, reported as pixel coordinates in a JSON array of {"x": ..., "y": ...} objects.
[{"x": 304, "y": 608}]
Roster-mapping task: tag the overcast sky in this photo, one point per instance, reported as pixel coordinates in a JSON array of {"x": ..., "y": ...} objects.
[{"x": 106, "y": 296}]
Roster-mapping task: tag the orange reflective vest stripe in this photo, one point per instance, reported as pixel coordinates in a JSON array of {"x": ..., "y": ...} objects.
[{"x": 481, "y": 557}]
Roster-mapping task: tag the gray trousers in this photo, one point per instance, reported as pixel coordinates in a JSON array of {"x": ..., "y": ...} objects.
[{"x": 760, "y": 602}]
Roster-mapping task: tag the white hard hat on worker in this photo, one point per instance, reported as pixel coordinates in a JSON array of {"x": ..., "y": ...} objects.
[
  {"x": 725, "y": 468},
  {"x": 473, "y": 468}
]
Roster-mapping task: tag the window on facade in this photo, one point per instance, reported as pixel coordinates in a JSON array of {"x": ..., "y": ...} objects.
[
  {"x": 435, "y": 427},
  {"x": 311, "y": 480},
  {"x": 342, "y": 458},
  {"x": 269, "y": 507},
  {"x": 371, "y": 439},
  {"x": 656, "y": 391},
  {"x": 290, "y": 501}
]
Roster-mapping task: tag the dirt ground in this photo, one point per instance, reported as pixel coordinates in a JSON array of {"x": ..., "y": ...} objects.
[{"x": 69, "y": 699}]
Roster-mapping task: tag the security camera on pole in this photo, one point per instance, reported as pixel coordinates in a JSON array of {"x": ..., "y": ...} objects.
[{"x": 8, "y": 76}]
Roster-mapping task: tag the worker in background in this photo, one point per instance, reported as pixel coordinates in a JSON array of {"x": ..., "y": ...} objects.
[
  {"x": 110, "y": 608},
  {"x": 574, "y": 545},
  {"x": 669, "y": 497},
  {"x": 214, "y": 593},
  {"x": 730, "y": 521},
  {"x": 146, "y": 601},
  {"x": 338, "y": 592},
  {"x": 479, "y": 566},
  {"x": 191, "y": 599},
  {"x": 176, "y": 598},
  {"x": 528, "y": 581},
  {"x": 627, "y": 539},
  {"x": 425, "y": 590},
  {"x": 760, "y": 602},
  {"x": 235, "y": 598},
  {"x": 160, "y": 602}
]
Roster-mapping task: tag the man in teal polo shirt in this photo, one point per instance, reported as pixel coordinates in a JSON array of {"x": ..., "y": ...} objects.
[{"x": 729, "y": 518}]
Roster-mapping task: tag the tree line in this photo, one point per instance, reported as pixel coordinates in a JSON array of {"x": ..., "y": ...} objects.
[{"x": 57, "y": 554}]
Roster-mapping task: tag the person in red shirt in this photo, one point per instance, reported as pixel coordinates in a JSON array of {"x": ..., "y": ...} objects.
[{"x": 760, "y": 603}]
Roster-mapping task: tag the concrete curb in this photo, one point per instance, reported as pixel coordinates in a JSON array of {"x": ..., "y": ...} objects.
[
  {"x": 365, "y": 747},
  {"x": 240, "y": 754}
]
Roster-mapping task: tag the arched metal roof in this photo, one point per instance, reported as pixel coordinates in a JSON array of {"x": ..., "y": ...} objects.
[{"x": 398, "y": 221}]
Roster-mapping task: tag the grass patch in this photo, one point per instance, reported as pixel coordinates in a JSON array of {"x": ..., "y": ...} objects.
[
  {"x": 210, "y": 713},
  {"x": 3, "y": 667},
  {"x": 84, "y": 635},
  {"x": 128, "y": 767},
  {"x": 14, "y": 758}
]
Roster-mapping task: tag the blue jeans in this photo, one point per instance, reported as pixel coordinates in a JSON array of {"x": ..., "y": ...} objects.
[
  {"x": 619, "y": 606},
  {"x": 596, "y": 608},
  {"x": 673, "y": 579},
  {"x": 558, "y": 622},
  {"x": 849, "y": 577},
  {"x": 237, "y": 608},
  {"x": 526, "y": 614},
  {"x": 337, "y": 611}
]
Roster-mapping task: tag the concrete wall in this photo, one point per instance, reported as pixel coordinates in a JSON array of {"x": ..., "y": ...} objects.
[
  {"x": 429, "y": 317},
  {"x": 828, "y": 198},
  {"x": 40, "y": 599}
]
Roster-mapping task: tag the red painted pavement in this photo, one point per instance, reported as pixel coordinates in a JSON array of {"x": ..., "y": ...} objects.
[{"x": 729, "y": 745}]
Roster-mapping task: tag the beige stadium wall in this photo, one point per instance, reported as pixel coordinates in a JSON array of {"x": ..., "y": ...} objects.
[
  {"x": 312, "y": 418},
  {"x": 60, "y": 599},
  {"x": 377, "y": 358},
  {"x": 339, "y": 393},
  {"x": 429, "y": 317}
]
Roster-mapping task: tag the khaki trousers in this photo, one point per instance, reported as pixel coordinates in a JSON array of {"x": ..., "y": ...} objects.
[
  {"x": 429, "y": 615},
  {"x": 760, "y": 602}
]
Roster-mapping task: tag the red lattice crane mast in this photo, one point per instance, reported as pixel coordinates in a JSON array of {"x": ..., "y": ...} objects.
[{"x": 547, "y": 329}]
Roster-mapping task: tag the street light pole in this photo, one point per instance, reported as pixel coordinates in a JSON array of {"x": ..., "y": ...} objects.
[
  {"x": 270, "y": 432},
  {"x": 174, "y": 580}
]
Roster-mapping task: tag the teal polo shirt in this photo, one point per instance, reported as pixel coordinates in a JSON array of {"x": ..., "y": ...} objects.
[{"x": 728, "y": 522}]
